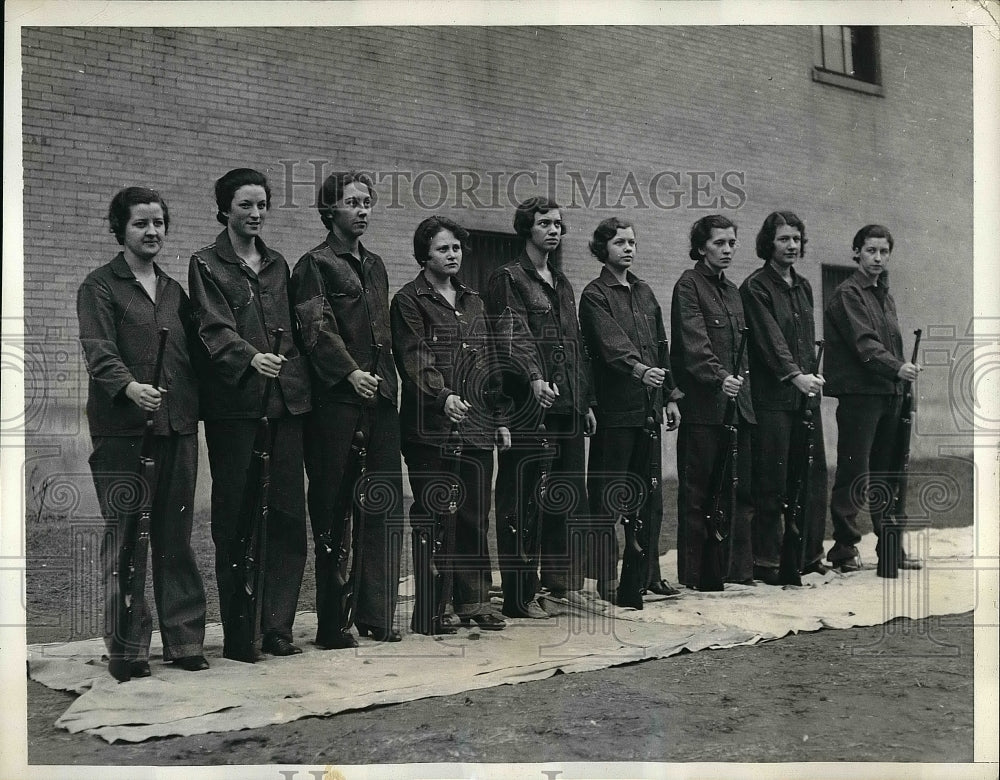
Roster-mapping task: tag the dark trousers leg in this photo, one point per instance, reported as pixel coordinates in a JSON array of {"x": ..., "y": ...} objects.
[
  {"x": 230, "y": 444},
  {"x": 771, "y": 448},
  {"x": 517, "y": 551},
  {"x": 328, "y": 444},
  {"x": 698, "y": 447},
  {"x": 866, "y": 432},
  {"x": 473, "y": 571},
  {"x": 177, "y": 585},
  {"x": 563, "y": 530}
]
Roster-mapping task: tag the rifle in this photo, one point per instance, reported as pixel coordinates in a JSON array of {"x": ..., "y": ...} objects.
[
  {"x": 891, "y": 543},
  {"x": 337, "y": 595},
  {"x": 248, "y": 548},
  {"x": 719, "y": 519},
  {"x": 126, "y": 641},
  {"x": 801, "y": 456},
  {"x": 636, "y": 528}
]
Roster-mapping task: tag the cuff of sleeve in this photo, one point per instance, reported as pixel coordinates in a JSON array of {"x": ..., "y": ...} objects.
[
  {"x": 533, "y": 376},
  {"x": 639, "y": 370},
  {"x": 676, "y": 394},
  {"x": 443, "y": 396},
  {"x": 790, "y": 376}
]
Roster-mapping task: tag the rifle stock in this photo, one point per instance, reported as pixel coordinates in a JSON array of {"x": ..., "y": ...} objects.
[
  {"x": 248, "y": 548},
  {"x": 801, "y": 457},
  {"x": 720, "y": 516},
  {"x": 894, "y": 521},
  {"x": 126, "y": 642}
]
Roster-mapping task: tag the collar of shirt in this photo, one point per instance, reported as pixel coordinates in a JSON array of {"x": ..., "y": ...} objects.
[
  {"x": 719, "y": 278},
  {"x": 770, "y": 271},
  {"x": 607, "y": 278},
  {"x": 224, "y": 249},
  {"x": 863, "y": 280},
  {"x": 341, "y": 248},
  {"x": 423, "y": 287},
  {"x": 119, "y": 267},
  {"x": 529, "y": 267}
]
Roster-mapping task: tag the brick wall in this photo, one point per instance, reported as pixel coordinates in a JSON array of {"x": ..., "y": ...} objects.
[{"x": 175, "y": 108}]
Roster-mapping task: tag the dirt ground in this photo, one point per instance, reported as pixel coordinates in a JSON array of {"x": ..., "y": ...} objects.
[{"x": 898, "y": 692}]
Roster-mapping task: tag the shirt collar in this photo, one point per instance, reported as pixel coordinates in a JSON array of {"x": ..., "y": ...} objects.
[
  {"x": 529, "y": 266},
  {"x": 609, "y": 279},
  {"x": 341, "y": 247},
  {"x": 864, "y": 280},
  {"x": 702, "y": 267},
  {"x": 770, "y": 271},
  {"x": 224, "y": 249},
  {"x": 119, "y": 267},
  {"x": 423, "y": 287}
]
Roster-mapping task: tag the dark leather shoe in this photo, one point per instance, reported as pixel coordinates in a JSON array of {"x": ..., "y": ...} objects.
[
  {"x": 435, "y": 628},
  {"x": 278, "y": 645},
  {"x": 816, "y": 567},
  {"x": 626, "y": 599},
  {"x": 191, "y": 663},
  {"x": 341, "y": 641},
  {"x": 913, "y": 564},
  {"x": 846, "y": 565},
  {"x": 767, "y": 574},
  {"x": 378, "y": 633},
  {"x": 139, "y": 669},
  {"x": 485, "y": 620},
  {"x": 663, "y": 588}
]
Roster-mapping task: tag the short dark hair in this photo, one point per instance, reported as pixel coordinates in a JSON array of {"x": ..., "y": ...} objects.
[
  {"x": 871, "y": 231},
  {"x": 228, "y": 183},
  {"x": 767, "y": 232},
  {"x": 120, "y": 210},
  {"x": 603, "y": 233},
  {"x": 524, "y": 214},
  {"x": 701, "y": 231},
  {"x": 332, "y": 190},
  {"x": 428, "y": 229}
]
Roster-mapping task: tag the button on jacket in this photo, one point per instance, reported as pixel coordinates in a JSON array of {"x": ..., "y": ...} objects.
[
  {"x": 442, "y": 350},
  {"x": 538, "y": 336},
  {"x": 623, "y": 330},
  {"x": 236, "y": 310},
  {"x": 119, "y": 327},
  {"x": 782, "y": 335},
  {"x": 706, "y": 315},
  {"x": 343, "y": 308},
  {"x": 864, "y": 348}
]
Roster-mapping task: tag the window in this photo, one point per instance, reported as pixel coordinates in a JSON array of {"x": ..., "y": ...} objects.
[
  {"x": 487, "y": 252},
  {"x": 848, "y": 57},
  {"x": 833, "y": 277}
]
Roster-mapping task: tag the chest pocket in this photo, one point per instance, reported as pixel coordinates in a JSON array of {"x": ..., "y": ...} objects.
[{"x": 343, "y": 282}]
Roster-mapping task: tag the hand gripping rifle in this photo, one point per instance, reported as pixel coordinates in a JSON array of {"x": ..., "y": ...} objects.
[
  {"x": 126, "y": 640},
  {"x": 724, "y": 483},
  {"x": 801, "y": 457},
  {"x": 337, "y": 594},
  {"x": 893, "y": 522},
  {"x": 248, "y": 548}
]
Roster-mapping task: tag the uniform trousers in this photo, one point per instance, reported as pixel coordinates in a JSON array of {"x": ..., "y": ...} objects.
[
  {"x": 230, "y": 447},
  {"x": 618, "y": 482},
  {"x": 771, "y": 445},
  {"x": 867, "y": 426},
  {"x": 518, "y": 469},
  {"x": 698, "y": 447},
  {"x": 328, "y": 438},
  {"x": 177, "y": 585},
  {"x": 466, "y": 557}
]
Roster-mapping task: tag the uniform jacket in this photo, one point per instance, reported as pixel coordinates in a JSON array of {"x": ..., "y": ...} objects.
[
  {"x": 782, "y": 336},
  {"x": 442, "y": 350},
  {"x": 343, "y": 307},
  {"x": 706, "y": 315},
  {"x": 538, "y": 336},
  {"x": 864, "y": 348},
  {"x": 236, "y": 311},
  {"x": 119, "y": 332},
  {"x": 624, "y": 334}
]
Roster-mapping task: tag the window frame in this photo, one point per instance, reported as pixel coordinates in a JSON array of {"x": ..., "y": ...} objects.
[{"x": 824, "y": 75}]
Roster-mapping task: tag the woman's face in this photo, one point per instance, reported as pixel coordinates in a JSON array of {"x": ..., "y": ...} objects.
[
  {"x": 145, "y": 231},
  {"x": 444, "y": 255},
  {"x": 247, "y": 210}
]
